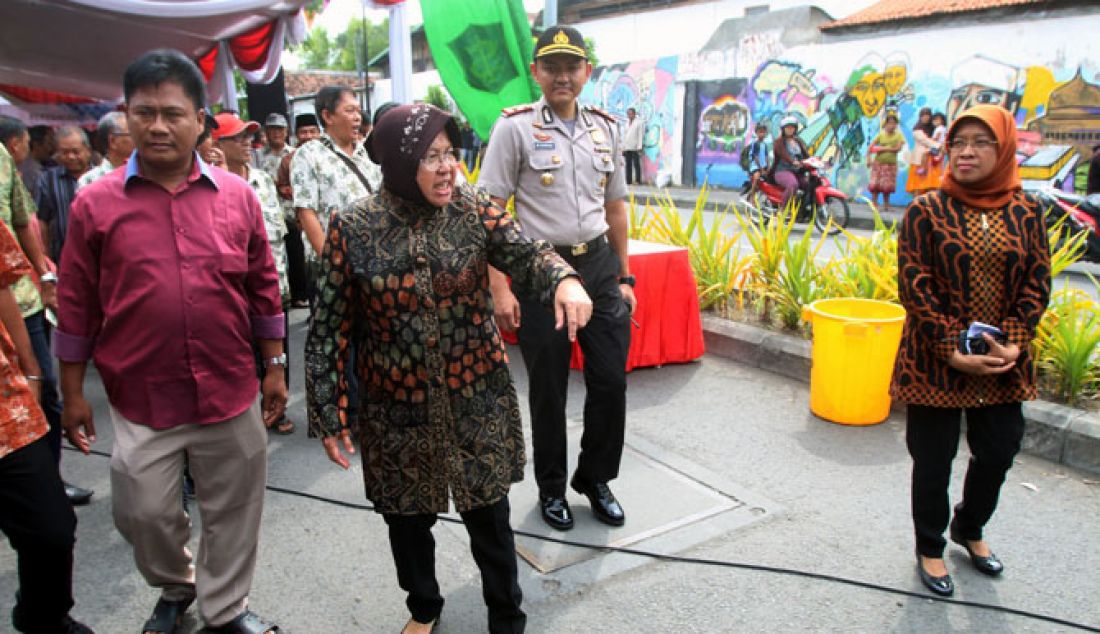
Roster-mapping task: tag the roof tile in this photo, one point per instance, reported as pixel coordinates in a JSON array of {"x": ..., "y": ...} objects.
[{"x": 892, "y": 10}]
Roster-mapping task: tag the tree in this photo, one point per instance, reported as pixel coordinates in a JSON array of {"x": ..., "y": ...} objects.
[
  {"x": 320, "y": 51},
  {"x": 316, "y": 49},
  {"x": 437, "y": 97},
  {"x": 590, "y": 48}
]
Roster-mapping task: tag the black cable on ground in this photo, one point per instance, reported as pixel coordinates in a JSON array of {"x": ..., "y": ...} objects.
[{"x": 712, "y": 562}]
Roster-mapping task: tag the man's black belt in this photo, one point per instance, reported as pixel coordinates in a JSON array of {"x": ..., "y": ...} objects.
[{"x": 583, "y": 248}]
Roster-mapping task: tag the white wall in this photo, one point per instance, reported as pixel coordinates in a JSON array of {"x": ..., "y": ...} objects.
[{"x": 684, "y": 29}]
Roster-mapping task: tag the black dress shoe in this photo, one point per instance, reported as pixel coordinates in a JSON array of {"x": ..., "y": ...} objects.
[
  {"x": 986, "y": 565},
  {"x": 78, "y": 496},
  {"x": 942, "y": 586},
  {"x": 604, "y": 505},
  {"x": 556, "y": 513}
]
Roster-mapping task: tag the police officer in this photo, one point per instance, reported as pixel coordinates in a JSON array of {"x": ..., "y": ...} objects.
[{"x": 562, "y": 162}]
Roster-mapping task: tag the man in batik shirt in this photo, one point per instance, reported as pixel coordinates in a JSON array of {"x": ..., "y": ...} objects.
[
  {"x": 232, "y": 137},
  {"x": 332, "y": 172}
]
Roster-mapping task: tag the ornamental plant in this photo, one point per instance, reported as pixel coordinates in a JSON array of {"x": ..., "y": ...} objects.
[{"x": 778, "y": 275}]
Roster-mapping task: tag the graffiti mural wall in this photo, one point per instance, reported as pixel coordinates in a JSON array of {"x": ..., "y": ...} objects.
[
  {"x": 724, "y": 122},
  {"x": 649, "y": 87},
  {"x": 840, "y": 93}
]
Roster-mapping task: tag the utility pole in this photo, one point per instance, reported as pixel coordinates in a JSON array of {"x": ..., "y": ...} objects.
[
  {"x": 550, "y": 14},
  {"x": 364, "y": 101}
]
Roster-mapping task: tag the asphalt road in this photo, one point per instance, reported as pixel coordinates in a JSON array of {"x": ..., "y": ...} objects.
[{"x": 840, "y": 498}]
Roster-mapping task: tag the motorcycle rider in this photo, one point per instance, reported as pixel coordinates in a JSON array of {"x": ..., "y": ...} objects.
[{"x": 790, "y": 151}]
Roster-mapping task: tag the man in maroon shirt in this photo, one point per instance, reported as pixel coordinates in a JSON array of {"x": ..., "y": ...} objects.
[{"x": 167, "y": 279}]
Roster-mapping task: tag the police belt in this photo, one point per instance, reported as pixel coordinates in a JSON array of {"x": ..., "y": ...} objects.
[{"x": 593, "y": 246}]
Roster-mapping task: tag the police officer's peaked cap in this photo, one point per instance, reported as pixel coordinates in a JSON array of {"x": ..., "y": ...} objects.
[{"x": 563, "y": 40}]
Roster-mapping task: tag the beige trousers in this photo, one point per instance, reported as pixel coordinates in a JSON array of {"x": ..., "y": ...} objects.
[{"x": 228, "y": 462}]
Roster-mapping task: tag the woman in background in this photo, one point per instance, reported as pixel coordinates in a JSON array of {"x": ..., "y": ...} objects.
[
  {"x": 923, "y": 176},
  {"x": 882, "y": 155}
]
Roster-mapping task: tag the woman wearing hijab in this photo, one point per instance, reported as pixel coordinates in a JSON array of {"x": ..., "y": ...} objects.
[
  {"x": 923, "y": 175},
  {"x": 975, "y": 251},
  {"x": 790, "y": 150},
  {"x": 404, "y": 276}
]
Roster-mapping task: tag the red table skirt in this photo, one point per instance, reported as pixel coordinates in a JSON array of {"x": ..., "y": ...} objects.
[{"x": 669, "y": 328}]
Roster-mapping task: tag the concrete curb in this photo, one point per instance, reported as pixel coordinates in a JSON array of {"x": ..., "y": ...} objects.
[{"x": 1055, "y": 432}]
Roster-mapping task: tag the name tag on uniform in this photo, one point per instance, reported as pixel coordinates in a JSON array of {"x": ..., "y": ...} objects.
[{"x": 544, "y": 145}]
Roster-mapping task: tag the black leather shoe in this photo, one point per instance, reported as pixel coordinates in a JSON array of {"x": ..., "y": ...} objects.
[
  {"x": 942, "y": 586},
  {"x": 71, "y": 626},
  {"x": 78, "y": 496},
  {"x": 986, "y": 565},
  {"x": 604, "y": 505},
  {"x": 68, "y": 625},
  {"x": 556, "y": 513}
]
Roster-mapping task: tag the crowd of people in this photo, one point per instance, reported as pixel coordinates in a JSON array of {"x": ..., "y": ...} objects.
[
  {"x": 173, "y": 262},
  {"x": 169, "y": 252}
]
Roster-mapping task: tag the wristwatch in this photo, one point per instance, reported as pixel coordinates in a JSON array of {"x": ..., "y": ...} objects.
[
  {"x": 628, "y": 280},
  {"x": 49, "y": 277},
  {"x": 279, "y": 360}
]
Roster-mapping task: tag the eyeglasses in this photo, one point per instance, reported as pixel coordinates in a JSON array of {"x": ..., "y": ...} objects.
[
  {"x": 433, "y": 160},
  {"x": 981, "y": 143}
]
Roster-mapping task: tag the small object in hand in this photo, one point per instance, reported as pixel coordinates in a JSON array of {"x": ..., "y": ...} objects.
[{"x": 972, "y": 342}]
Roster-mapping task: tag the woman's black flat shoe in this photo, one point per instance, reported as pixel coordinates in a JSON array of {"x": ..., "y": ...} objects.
[
  {"x": 986, "y": 565},
  {"x": 942, "y": 586}
]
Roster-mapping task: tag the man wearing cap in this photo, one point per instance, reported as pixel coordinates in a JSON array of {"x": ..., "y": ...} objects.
[
  {"x": 276, "y": 132},
  {"x": 232, "y": 137},
  {"x": 562, "y": 162}
]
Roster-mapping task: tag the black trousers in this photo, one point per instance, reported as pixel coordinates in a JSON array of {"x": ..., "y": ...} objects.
[
  {"x": 633, "y": 166},
  {"x": 39, "y": 332},
  {"x": 296, "y": 273},
  {"x": 39, "y": 522},
  {"x": 993, "y": 433},
  {"x": 494, "y": 548},
  {"x": 605, "y": 342}
]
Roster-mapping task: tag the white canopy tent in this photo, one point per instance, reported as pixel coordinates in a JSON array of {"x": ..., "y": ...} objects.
[{"x": 81, "y": 47}]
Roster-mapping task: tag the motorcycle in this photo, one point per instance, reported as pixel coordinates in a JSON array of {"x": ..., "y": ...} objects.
[
  {"x": 821, "y": 200},
  {"x": 1082, "y": 213}
]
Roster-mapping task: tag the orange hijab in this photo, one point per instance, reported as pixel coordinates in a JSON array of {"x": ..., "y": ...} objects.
[{"x": 998, "y": 189}]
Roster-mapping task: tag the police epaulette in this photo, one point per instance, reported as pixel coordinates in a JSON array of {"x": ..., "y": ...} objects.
[
  {"x": 606, "y": 115},
  {"x": 514, "y": 110}
]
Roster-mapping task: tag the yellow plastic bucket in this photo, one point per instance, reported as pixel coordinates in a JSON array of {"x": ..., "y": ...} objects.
[{"x": 855, "y": 342}]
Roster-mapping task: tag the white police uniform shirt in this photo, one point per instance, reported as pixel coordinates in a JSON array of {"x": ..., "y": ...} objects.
[{"x": 560, "y": 179}]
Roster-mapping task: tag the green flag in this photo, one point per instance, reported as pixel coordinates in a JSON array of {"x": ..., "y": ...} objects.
[{"x": 482, "y": 49}]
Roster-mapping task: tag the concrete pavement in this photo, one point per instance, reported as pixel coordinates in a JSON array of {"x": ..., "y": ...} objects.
[{"x": 811, "y": 495}]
